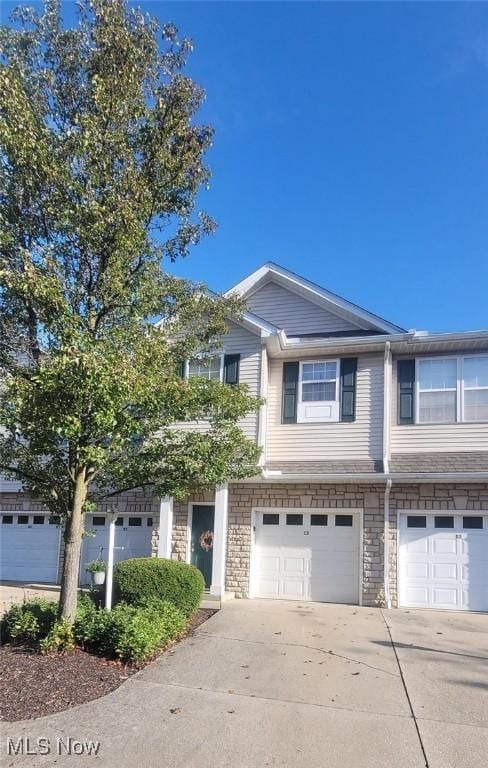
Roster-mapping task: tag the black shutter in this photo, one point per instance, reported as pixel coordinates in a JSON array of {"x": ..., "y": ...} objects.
[
  {"x": 349, "y": 366},
  {"x": 180, "y": 368},
  {"x": 231, "y": 369},
  {"x": 290, "y": 392},
  {"x": 406, "y": 391}
]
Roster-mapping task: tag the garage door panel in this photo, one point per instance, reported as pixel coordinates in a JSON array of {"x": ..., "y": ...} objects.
[
  {"x": 309, "y": 562},
  {"x": 417, "y": 570},
  {"x": 445, "y": 571},
  {"x": 270, "y": 587},
  {"x": 293, "y": 590},
  {"x": 453, "y": 571},
  {"x": 417, "y": 546},
  {"x": 294, "y": 565},
  {"x": 443, "y": 546},
  {"x": 445, "y": 597},
  {"x": 417, "y": 595}
]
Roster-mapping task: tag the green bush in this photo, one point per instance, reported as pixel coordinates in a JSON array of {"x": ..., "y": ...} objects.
[
  {"x": 145, "y": 578},
  {"x": 132, "y": 633},
  {"x": 30, "y": 621},
  {"x": 136, "y": 632},
  {"x": 89, "y": 627},
  {"x": 60, "y": 638}
]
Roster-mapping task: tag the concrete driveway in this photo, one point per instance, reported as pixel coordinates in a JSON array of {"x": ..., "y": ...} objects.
[{"x": 267, "y": 683}]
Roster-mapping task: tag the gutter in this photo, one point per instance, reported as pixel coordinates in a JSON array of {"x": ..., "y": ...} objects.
[
  {"x": 273, "y": 476},
  {"x": 350, "y": 341}
]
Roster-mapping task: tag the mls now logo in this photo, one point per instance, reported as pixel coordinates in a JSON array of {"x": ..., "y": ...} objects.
[{"x": 44, "y": 746}]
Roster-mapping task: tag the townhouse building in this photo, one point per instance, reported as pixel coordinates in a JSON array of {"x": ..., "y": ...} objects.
[{"x": 373, "y": 483}]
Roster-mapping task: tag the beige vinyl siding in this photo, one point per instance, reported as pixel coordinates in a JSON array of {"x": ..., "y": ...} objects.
[
  {"x": 361, "y": 439},
  {"x": 433, "y": 438},
  {"x": 240, "y": 341},
  {"x": 293, "y": 313}
]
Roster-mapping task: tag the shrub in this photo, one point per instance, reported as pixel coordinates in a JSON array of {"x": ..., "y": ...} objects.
[
  {"x": 30, "y": 621},
  {"x": 60, "y": 639},
  {"x": 143, "y": 579},
  {"x": 136, "y": 632},
  {"x": 89, "y": 625},
  {"x": 130, "y": 632}
]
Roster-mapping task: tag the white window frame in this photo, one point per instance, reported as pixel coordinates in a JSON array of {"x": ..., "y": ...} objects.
[
  {"x": 310, "y": 404},
  {"x": 221, "y": 374},
  {"x": 459, "y": 388},
  {"x": 470, "y": 389}
]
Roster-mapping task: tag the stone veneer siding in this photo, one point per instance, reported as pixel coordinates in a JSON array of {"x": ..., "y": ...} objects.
[{"x": 431, "y": 498}]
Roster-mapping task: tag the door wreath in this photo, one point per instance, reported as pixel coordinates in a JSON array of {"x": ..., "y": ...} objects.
[{"x": 206, "y": 540}]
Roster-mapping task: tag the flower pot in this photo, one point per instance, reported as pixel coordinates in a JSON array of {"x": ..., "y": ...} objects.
[{"x": 98, "y": 578}]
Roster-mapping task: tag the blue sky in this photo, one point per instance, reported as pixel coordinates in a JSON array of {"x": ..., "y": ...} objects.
[{"x": 351, "y": 146}]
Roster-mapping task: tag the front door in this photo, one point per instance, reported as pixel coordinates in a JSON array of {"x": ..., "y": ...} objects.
[{"x": 202, "y": 531}]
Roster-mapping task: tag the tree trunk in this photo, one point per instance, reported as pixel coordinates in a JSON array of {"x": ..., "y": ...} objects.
[{"x": 72, "y": 549}]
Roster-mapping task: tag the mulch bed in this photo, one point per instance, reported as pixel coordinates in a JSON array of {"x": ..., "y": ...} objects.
[{"x": 32, "y": 685}]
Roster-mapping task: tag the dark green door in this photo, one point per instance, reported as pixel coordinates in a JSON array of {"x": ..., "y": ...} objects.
[{"x": 202, "y": 528}]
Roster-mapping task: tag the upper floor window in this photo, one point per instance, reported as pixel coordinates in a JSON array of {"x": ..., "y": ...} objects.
[
  {"x": 476, "y": 389},
  {"x": 206, "y": 367},
  {"x": 452, "y": 389},
  {"x": 318, "y": 391},
  {"x": 214, "y": 368}
]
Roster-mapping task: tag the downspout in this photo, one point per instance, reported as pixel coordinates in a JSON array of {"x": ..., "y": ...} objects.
[
  {"x": 386, "y": 468},
  {"x": 386, "y": 544}
]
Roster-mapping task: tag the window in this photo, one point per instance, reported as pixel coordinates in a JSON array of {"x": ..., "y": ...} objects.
[
  {"x": 98, "y": 521},
  {"x": 7, "y": 519},
  {"x": 343, "y": 520},
  {"x": 149, "y": 522},
  {"x": 319, "y": 381},
  {"x": 319, "y": 391},
  {"x": 475, "y": 389},
  {"x": 473, "y": 522},
  {"x": 271, "y": 519},
  {"x": 22, "y": 519},
  {"x": 437, "y": 389},
  {"x": 294, "y": 519},
  {"x": 38, "y": 519},
  {"x": 443, "y": 521},
  {"x": 416, "y": 521},
  {"x": 135, "y": 522},
  {"x": 452, "y": 390},
  {"x": 206, "y": 367},
  {"x": 318, "y": 519}
]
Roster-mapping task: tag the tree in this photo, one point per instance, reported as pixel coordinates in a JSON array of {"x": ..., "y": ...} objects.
[{"x": 101, "y": 164}]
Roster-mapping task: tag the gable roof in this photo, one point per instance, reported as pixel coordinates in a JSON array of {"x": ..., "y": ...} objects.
[{"x": 271, "y": 272}]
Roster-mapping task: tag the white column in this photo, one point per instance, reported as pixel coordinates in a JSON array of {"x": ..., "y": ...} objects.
[
  {"x": 110, "y": 561},
  {"x": 220, "y": 541},
  {"x": 165, "y": 527}
]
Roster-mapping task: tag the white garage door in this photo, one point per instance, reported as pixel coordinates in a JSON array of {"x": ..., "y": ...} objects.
[
  {"x": 444, "y": 561},
  {"x": 132, "y": 539},
  {"x": 306, "y": 555},
  {"x": 29, "y": 547}
]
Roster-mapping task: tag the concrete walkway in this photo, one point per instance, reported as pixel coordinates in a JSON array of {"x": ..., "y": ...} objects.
[{"x": 294, "y": 685}]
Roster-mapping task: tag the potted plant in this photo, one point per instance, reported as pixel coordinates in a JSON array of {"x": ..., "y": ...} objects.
[{"x": 97, "y": 569}]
